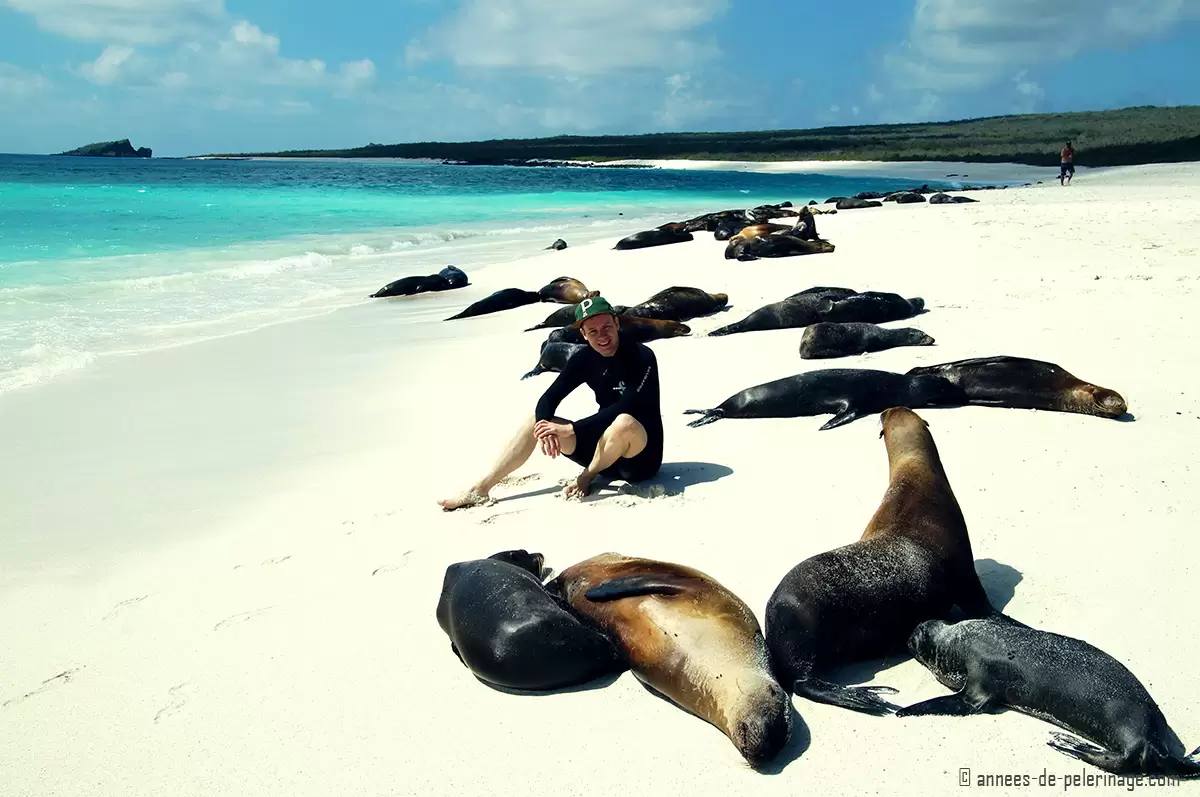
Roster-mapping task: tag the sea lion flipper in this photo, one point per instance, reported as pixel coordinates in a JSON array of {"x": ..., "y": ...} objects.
[
  {"x": 1077, "y": 748},
  {"x": 710, "y": 416},
  {"x": 954, "y": 705},
  {"x": 633, "y": 586},
  {"x": 845, "y": 416},
  {"x": 454, "y": 650},
  {"x": 855, "y": 698}
]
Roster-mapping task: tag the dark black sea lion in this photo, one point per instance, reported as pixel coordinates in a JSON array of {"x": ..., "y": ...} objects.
[
  {"x": 408, "y": 286},
  {"x": 690, "y": 639},
  {"x": 504, "y": 299},
  {"x": 509, "y": 631},
  {"x": 565, "y": 290},
  {"x": 993, "y": 662},
  {"x": 1021, "y": 383},
  {"x": 657, "y": 237},
  {"x": 554, "y": 356},
  {"x": 848, "y": 393},
  {"x": 946, "y": 199},
  {"x": 559, "y": 244},
  {"x": 642, "y": 330},
  {"x": 777, "y": 245},
  {"x": 455, "y": 277},
  {"x": 564, "y": 316},
  {"x": 912, "y": 563},
  {"x": 874, "y": 307},
  {"x": 678, "y": 303},
  {"x": 850, "y": 203},
  {"x": 826, "y": 304},
  {"x": 826, "y": 339}
]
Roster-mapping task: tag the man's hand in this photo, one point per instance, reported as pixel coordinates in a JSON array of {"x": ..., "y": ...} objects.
[{"x": 549, "y": 434}]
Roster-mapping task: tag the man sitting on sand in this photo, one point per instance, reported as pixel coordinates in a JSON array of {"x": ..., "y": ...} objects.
[{"x": 624, "y": 439}]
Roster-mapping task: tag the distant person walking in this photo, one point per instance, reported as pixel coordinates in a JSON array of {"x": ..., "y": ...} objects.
[{"x": 1067, "y": 166}]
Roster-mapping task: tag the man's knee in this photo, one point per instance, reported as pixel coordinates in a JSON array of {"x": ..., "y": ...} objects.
[{"x": 628, "y": 429}]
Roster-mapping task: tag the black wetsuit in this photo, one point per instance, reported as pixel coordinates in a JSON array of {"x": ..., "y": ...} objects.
[{"x": 625, "y": 383}]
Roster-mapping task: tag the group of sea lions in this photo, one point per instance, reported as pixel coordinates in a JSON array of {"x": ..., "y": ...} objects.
[{"x": 694, "y": 641}]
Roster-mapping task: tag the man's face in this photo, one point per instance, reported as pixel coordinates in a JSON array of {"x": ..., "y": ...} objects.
[{"x": 601, "y": 334}]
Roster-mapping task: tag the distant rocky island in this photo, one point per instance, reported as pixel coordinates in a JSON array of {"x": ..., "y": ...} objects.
[{"x": 111, "y": 149}]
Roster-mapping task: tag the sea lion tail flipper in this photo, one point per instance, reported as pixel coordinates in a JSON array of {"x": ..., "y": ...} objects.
[
  {"x": 1090, "y": 753},
  {"x": 633, "y": 586},
  {"x": 534, "y": 372},
  {"x": 855, "y": 698},
  {"x": 845, "y": 416},
  {"x": 710, "y": 416},
  {"x": 944, "y": 706}
]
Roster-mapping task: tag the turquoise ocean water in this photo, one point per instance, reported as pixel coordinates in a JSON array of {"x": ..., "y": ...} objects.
[{"x": 101, "y": 256}]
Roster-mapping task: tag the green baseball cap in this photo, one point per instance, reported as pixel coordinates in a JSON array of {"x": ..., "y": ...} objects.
[{"x": 592, "y": 306}]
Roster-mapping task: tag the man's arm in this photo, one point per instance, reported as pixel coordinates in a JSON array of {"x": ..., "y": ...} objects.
[
  {"x": 568, "y": 379},
  {"x": 601, "y": 420}
]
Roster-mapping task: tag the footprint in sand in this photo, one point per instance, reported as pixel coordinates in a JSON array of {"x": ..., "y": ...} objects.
[
  {"x": 492, "y": 518},
  {"x": 240, "y": 618},
  {"x": 63, "y": 677},
  {"x": 276, "y": 560},
  {"x": 517, "y": 481},
  {"x": 178, "y": 699},
  {"x": 122, "y": 605},
  {"x": 389, "y": 568}
]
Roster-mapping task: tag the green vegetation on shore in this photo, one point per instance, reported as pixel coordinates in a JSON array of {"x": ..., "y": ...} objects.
[{"x": 1145, "y": 134}]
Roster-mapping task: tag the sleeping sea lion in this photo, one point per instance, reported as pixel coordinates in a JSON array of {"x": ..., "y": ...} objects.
[
  {"x": 564, "y": 316},
  {"x": 642, "y": 330},
  {"x": 994, "y": 661},
  {"x": 690, "y": 639},
  {"x": 861, "y": 601},
  {"x": 777, "y": 245},
  {"x": 1021, "y": 383},
  {"x": 554, "y": 356},
  {"x": 510, "y": 632},
  {"x": 826, "y": 339},
  {"x": 849, "y": 393},
  {"x": 504, "y": 299},
  {"x": 679, "y": 303},
  {"x": 657, "y": 237},
  {"x": 565, "y": 290},
  {"x": 798, "y": 310}
]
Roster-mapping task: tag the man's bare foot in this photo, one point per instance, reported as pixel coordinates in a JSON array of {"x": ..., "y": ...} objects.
[
  {"x": 580, "y": 487},
  {"x": 469, "y": 498}
]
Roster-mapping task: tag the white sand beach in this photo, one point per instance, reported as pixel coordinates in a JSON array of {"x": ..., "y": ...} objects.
[{"x": 221, "y": 561}]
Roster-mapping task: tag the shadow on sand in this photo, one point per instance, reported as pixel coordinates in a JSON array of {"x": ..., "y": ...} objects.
[
  {"x": 597, "y": 683},
  {"x": 999, "y": 582},
  {"x": 672, "y": 479}
]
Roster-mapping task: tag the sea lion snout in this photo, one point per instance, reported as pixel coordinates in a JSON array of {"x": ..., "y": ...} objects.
[
  {"x": 762, "y": 735},
  {"x": 1109, "y": 402}
]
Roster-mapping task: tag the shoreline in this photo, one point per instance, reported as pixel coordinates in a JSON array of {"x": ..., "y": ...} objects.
[{"x": 246, "y": 553}]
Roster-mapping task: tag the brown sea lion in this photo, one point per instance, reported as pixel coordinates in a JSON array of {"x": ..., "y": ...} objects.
[
  {"x": 678, "y": 303},
  {"x": 633, "y": 327},
  {"x": 689, "y": 638},
  {"x": 1021, "y": 383},
  {"x": 777, "y": 245},
  {"x": 565, "y": 290},
  {"x": 862, "y": 601}
]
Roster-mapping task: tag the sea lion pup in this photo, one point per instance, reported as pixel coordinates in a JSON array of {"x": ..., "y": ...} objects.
[
  {"x": 679, "y": 303},
  {"x": 874, "y": 307},
  {"x": 798, "y": 310},
  {"x": 642, "y": 330},
  {"x": 777, "y": 245},
  {"x": 849, "y": 393},
  {"x": 504, "y": 299},
  {"x": 1021, "y": 383},
  {"x": 690, "y": 639},
  {"x": 992, "y": 662},
  {"x": 554, "y": 356},
  {"x": 826, "y": 339},
  {"x": 509, "y": 631},
  {"x": 564, "y": 316},
  {"x": 565, "y": 290},
  {"x": 861, "y": 601},
  {"x": 656, "y": 237}
]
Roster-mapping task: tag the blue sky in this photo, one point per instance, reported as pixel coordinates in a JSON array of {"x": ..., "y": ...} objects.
[{"x": 192, "y": 76}]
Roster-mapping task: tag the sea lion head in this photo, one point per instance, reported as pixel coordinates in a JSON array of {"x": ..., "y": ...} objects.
[
  {"x": 765, "y": 724},
  {"x": 923, "y": 641},
  {"x": 1096, "y": 400},
  {"x": 523, "y": 559},
  {"x": 915, "y": 337},
  {"x": 918, "y": 304}
]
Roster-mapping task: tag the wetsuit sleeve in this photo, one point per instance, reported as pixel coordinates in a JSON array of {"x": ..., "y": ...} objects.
[
  {"x": 568, "y": 379},
  {"x": 645, "y": 383}
]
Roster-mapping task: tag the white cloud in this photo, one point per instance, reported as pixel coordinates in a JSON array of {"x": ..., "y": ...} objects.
[
  {"x": 18, "y": 83},
  {"x": 106, "y": 68},
  {"x": 956, "y": 45},
  {"x": 577, "y": 36},
  {"x": 134, "y": 22}
]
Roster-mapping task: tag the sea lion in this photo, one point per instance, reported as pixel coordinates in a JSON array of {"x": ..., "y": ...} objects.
[
  {"x": 946, "y": 199},
  {"x": 777, "y": 245},
  {"x": 679, "y": 303},
  {"x": 826, "y": 339},
  {"x": 504, "y": 299},
  {"x": 564, "y": 316},
  {"x": 554, "y": 356},
  {"x": 690, "y": 639},
  {"x": 510, "y": 632},
  {"x": 455, "y": 277},
  {"x": 874, "y": 307},
  {"x": 763, "y": 230},
  {"x": 993, "y": 662},
  {"x": 565, "y": 290},
  {"x": 851, "y": 203},
  {"x": 849, "y": 393},
  {"x": 657, "y": 237},
  {"x": 798, "y": 310},
  {"x": 642, "y": 330},
  {"x": 1021, "y": 383},
  {"x": 912, "y": 563},
  {"x": 447, "y": 279},
  {"x": 559, "y": 244}
]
